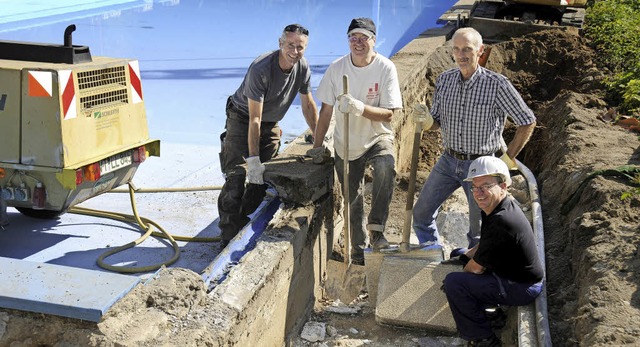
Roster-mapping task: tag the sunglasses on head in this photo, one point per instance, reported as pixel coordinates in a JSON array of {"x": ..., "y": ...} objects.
[{"x": 296, "y": 28}]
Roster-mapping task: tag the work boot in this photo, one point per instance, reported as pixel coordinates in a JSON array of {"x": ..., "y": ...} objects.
[
  {"x": 492, "y": 341},
  {"x": 357, "y": 258},
  {"x": 378, "y": 241}
]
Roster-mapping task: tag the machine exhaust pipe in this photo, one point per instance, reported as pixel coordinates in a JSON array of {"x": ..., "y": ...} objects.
[{"x": 67, "y": 35}]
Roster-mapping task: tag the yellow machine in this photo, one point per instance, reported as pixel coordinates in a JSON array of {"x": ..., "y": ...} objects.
[
  {"x": 71, "y": 126},
  {"x": 497, "y": 20}
]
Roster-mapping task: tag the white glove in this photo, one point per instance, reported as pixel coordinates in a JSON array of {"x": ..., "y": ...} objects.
[
  {"x": 511, "y": 164},
  {"x": 351, "y": 105},
  {"x": 255, "y": 169},
  {"x": 421, "y": 114}
]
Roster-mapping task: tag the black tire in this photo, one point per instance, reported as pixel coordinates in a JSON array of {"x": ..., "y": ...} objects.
[{"x": 40, "y": 214}]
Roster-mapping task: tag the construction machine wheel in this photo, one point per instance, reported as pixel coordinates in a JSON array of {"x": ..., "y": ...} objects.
[{"x": 40, "y": 214}]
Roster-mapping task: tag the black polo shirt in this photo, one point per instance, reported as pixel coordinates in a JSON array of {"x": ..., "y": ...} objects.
[{"x": 507, "y": 244}]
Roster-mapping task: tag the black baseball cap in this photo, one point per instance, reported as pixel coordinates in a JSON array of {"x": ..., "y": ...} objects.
[{"x": 362, "y": 25}]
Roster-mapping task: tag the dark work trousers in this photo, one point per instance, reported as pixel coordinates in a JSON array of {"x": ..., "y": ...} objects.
[
  {"x": 236, "y": 202},
  {"x": 469, "y": 294},
  {"x": 380, "y": 158}
]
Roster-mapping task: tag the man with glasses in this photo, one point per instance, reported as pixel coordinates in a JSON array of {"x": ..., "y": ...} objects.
[
  {"x": 252, "y": 134},
  {"x": 373, "y": 96},
  {"x": 504, "y": 268},
  {"x": 470, "y": 106}
]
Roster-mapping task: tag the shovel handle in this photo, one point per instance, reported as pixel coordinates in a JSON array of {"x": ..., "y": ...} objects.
[
  {"x": 406, "y": 230},
  {"x": 345, "y": 179}
]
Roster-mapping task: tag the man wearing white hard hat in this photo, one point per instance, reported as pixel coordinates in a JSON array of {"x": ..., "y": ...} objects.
[{"x": 503, "y": 269}]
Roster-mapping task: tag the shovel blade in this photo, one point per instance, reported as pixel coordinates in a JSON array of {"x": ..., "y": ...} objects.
[{"x": 343, "y": 281}]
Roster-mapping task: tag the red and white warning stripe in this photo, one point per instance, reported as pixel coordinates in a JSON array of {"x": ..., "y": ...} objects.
[
  {"x": 40, "y": 83},
  {"x": 136, "y": 84},
  {"x": 68, "y": 96}
]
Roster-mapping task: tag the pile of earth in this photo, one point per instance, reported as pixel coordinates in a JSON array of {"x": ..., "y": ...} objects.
[{"x": 591, "y": 233}]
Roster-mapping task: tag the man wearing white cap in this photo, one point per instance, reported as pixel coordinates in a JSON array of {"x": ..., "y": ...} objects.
[
  {"x": 503, "y": 269},
  {"x": 374, "y": 95}
]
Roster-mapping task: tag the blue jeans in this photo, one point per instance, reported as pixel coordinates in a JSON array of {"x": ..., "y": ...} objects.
[
  {"x": 469, "y": 294},
  {"x": 447, "y": 175},
  {"x": 380, "y": 157}
]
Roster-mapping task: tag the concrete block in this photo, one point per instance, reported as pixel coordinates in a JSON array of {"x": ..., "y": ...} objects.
[
  {"x": 297, "y": 179},
  {"x": 409, "y": 294},
  {"x": 373, "y": 262}
]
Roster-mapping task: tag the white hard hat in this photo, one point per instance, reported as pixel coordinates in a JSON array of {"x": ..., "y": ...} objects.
[{"x": 489, "y": 166}]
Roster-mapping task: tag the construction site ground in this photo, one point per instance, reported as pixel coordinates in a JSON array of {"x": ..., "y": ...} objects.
[{"x": 592, "y": 238}]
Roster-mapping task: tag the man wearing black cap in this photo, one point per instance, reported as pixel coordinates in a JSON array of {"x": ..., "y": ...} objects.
[
  {"x": 374, "y": 95},
  {"x": 252, "y": 133}
]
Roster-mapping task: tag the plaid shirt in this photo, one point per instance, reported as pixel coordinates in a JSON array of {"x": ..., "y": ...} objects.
[{"x": 472, "y": 113}]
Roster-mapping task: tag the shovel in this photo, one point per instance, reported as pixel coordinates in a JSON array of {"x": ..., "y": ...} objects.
[
  {"x": 344, "y": 280},
  {"x": 406, "y": 229}
]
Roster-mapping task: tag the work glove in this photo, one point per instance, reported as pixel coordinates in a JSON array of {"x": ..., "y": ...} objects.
[
  {"x": 319, "y": 155},
  {"x": 255, "y": 169},
  {"x": 511, "y": 164},
  {"x": 421, "y": 114},
  {"x": 457, "y": 257},
  {"x": 351, "y": 105},
  {"x": 462, "y": 259}
]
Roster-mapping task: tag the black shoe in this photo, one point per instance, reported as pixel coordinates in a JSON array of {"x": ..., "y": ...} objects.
[
  {"x": 492, "y": 341},
  {"x": 357, "y": 259},
  {"x": 224, "y": 244},
  {"x": 378, "y": 241}
]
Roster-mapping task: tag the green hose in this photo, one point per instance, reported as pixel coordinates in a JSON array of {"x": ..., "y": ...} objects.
[{"x": 146, "y": 225}]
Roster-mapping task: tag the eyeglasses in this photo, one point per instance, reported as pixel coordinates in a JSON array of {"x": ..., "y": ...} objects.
[
  {"x": 296, "y": 28},
  {"x": 484, "y": 188},
  {"x": 361, "y": 39}
]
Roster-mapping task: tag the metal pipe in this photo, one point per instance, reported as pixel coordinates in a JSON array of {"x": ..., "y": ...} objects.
[
  {"x": 541, "y": 314},
  {"x": 68, "y": 42}
]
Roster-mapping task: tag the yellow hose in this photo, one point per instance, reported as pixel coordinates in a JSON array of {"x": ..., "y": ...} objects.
[{"x": 146, "y": 225}]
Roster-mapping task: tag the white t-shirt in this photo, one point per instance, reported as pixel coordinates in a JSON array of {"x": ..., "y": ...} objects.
[{"x": 375, "y": 84}]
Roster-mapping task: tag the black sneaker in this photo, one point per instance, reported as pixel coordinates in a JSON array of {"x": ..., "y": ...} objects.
[
  {"x": 378, "y": 241},
  {"x": 357, "y": 259},
  {"x": 492, "y": 341}
]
